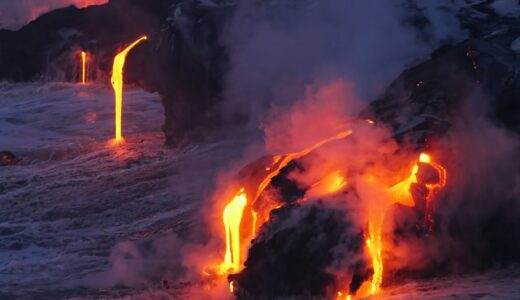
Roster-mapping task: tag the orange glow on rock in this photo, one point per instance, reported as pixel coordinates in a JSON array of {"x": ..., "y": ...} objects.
[
  {"x": 428, "y": 221},
  {"x": 283, "y": 161},
  {"x": 334, "y": 182},
  {"x": 425, "y": 158},
  {"x": 329, "y": 185},
  {"x": 117, "y": 81},
  {"x": 399, "y": 193},
  {"x": 233, "y": 212},
  {"x": 340, "y": 296}
]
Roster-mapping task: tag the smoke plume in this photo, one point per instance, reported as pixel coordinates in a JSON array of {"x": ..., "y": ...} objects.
[{"x": 278, "y": 47}]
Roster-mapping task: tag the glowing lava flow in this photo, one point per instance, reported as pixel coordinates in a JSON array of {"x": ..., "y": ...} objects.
[
  {"x": 399, "y": 193},
  {"x": 375, "y": 248},
  {"x": 330, "y": 184},
  {"x": 232, "y": 217},
  {"x": 286, "y": 159},
  {"x": 83, "y": 67},
  {"x": 117, "y": 84},
  {"x": 428, "y": 221},
  {"x": 233, "y": 212}
]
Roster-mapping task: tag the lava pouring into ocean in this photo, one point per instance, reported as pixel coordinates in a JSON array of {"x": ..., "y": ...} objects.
[
  {"x": 117, "y": 81},
  {"x": 233, "y": 212},
  {"x": 83, "y": 67},
  {"x": 258, "y": 210},
  {"x": 232, "y": 217}
]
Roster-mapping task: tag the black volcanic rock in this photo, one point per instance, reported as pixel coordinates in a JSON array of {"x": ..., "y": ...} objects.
[
  {"x": 191, "y": 66},
  {"x": 461, "y": 83},
  {"x": 288, "y": 189},
  {"x": 182, "y": 60},
  {"x": 29, "y": 53},
  {"x": 422, "y": 103},
  {"x": 185, "y": 61},
  {"x": 296, "y": 251}
]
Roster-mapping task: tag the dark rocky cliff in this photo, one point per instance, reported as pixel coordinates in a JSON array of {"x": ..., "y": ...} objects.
[
  {"x": 186, "y": 63},
  {"x": 182, "y": 60}
]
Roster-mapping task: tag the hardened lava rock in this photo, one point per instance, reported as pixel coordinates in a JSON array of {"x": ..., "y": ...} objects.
[{"x": 298, "y": 253}]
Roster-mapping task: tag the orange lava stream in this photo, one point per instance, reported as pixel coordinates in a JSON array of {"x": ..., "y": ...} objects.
[
  {"x": 343, "y": 297},
  {"x": 286, "y": 159},
  {"x": 399, "y": 193},
  {"x": 233, "y": 212},
  {"x": 375, "y": 248},
  {"x": 428, "y": 221},
  {"x": 232, "y": 217},
  {"x": 330, "y": 184},
  {"x": 83, "y": 67},
  {"x": 117, "y": 84}
]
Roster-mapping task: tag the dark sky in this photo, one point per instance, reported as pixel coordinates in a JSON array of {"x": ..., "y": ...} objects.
[{"x": 16, "y": 13}]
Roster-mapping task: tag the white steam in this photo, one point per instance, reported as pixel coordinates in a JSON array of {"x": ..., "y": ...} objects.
[{"x": 277, "y": 47}]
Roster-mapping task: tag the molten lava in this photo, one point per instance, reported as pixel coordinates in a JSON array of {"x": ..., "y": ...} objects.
[
  {"x": 232, "y": 217},
  {"x": 329, "y": 185},
  {"x": 83, "y": 67},
  {"x": 399, "y": 193},
  {"x": 233, "y": 212},
  {"x": 117, "y": 84},
  {"x": 284, "y": 160},
  {"x": 375, "y": 248},
  {"x": 428, "y": 221}
]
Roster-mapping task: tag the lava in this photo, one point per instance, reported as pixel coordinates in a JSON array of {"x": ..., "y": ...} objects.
[
  {"x": 330, "y": 184},
  {"x": 232, "y": 217},
  {"x": 284, "y": 160},
  {"x": 399, "y": 193},
  {"x": 83, "y": 67},
  {"x": 233, "y": 212},
  {"x": 374, "y": 244},
  {"x": 428, "y": 221},
  {"x": 117, "y": 84}
]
